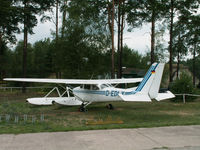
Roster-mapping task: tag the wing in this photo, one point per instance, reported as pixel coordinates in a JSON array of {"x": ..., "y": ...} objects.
[{"x": 76, "y": 81}]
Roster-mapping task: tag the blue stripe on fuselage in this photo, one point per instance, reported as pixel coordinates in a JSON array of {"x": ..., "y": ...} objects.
[
  {"x": 90, "y": 92},
  {"x": 111, "y": 93}
]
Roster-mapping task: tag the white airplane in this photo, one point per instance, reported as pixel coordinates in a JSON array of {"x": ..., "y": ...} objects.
[{"x": 91, "y": 91}]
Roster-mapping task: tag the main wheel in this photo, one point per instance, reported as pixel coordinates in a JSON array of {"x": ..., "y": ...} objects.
[
  {"x": 110, "y": 106},
  {"x": 82, "y": 109}
]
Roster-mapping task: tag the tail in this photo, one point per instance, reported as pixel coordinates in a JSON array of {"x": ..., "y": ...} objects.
[
  {"x": 151, "y": 81},
  {"x": 149, "y": 87}
]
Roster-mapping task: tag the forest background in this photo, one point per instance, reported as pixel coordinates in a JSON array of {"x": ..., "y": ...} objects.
[{"x": 83, "y": 44}]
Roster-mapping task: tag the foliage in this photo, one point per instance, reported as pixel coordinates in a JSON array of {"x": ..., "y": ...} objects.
[
  {"x": 179, "y": 40},
  {"x": 84, "y": 43},
  {"x": 9, "y": 19},
  {"x": 39, "y": 60},
  {"x": 189, "y": 64},
  {"x": 133, "y": 59},
  {"x": 193, "y": 34},
  {"x": 29, "y": 9},
  {"x": 77, "y": 59},
  {"x": 183, "y": 85},
  {"x": 8, "y": 27},
  {"x": 83, "y": 48}
]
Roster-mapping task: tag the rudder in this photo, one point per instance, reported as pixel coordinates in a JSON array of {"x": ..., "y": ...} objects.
[{"x": 155, "y": 86}]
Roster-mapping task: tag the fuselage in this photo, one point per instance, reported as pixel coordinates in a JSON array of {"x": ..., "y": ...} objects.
[{"x": 100, "y": 94}]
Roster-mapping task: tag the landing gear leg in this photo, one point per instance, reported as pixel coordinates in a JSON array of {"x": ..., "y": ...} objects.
[{"x": 83, "y": 107}]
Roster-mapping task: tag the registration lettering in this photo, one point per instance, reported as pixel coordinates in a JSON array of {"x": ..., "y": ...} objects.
[{"x": 112, "y": 93}]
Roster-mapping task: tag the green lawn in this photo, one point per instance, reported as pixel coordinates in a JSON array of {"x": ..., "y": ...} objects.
[{"x": 64, "y": 118}]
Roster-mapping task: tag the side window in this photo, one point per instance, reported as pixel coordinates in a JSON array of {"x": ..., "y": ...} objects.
[
  {"x": 86, "y": 86},
  {"x": 95, "y": 87},
  {"x": 90, "y": 87}
]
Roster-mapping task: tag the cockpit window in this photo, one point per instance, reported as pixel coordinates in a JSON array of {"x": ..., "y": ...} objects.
[
  {"x": 94, "y": 87},
  {"x": 90, "y": 87},
  {"x": 86, "y": 86}
]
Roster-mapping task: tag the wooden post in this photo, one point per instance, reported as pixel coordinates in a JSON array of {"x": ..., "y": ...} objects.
[{"x": 184, "y": 98}]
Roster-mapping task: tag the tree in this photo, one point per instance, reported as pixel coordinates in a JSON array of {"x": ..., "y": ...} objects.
[
  {"x": 85, "y": 30},
  {"x": 170, "y": 38},
  {"x": 64, "y": 12},
  {"x": 179, "y": 47},
  {"x": 148, "y": 11},
  {"x": 112, "y": 33},
  {"x": 182, "y": 8},
  {"x": 29, "y": 10},
  {"x": 187, "y": 29},
  {"x": 133, "y": 59},
  {"x": 182, "y": 85},
  {"x": 9, "y": 18},
  {"x": 152, "y": 11},
  {"x": 193, "y": 36},
  {"x": 16, "y": 59},
  {"x": 121, "y": 18},
  {"x": 42, "y": 56}
]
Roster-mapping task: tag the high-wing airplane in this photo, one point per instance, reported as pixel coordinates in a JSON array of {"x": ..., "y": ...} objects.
[{"x": 103, "y": 90}]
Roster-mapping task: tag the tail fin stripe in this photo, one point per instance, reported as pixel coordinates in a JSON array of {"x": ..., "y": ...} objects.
[
  {"x": 148, "y": 77},
  {"x": 145, "y": 78},
  {"x": 145, "y": 81},
  {"x": 142, "y": 84}
]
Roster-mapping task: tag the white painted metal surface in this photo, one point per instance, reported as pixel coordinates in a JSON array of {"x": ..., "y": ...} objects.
[
  {"x": 164, "y": 96},
  {"x": 77, "y": 81}
]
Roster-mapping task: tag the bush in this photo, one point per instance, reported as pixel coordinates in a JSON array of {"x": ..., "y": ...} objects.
[{"x": 182, "y": 85}]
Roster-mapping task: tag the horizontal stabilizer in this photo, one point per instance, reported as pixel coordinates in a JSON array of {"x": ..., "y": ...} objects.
[
  {"x": 135, "y": 98},
  {"x": 163, "y": 96}
]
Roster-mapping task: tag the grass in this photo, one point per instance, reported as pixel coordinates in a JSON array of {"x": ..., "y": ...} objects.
[{"x": 65, "y": 118}]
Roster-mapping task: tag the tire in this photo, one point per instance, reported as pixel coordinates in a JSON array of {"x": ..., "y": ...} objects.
[{"x": 110, "y": 106}]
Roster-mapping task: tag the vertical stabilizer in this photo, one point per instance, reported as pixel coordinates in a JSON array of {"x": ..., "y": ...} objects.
[
  {"x": 149, "y": 87},
  {"x": 146, "y": 83}
]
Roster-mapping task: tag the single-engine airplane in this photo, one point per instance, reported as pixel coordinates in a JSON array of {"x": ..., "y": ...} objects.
[{"x": 91, "y": 91}]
